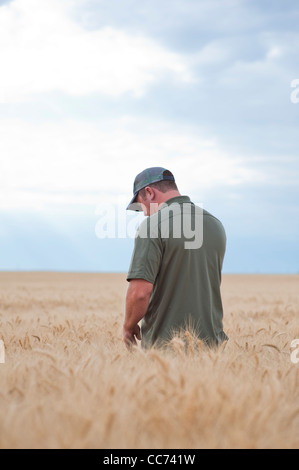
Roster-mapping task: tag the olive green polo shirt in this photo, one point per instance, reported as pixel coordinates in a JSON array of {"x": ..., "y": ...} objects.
[{"x": 180, "y": 250}]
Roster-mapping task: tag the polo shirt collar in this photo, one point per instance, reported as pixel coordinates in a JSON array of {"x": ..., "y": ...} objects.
[{"x": 177, "y": 199}]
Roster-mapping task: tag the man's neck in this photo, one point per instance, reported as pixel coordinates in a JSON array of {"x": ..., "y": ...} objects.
[
  {"x": 169, "y": 195},
  {"x": 163, "y": 197}
]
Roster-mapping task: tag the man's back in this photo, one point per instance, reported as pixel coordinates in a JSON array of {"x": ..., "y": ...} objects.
[{"x": 186, "y": 292}]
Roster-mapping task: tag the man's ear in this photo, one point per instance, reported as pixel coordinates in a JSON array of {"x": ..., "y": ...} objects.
[{"x": 150, "y": 192}]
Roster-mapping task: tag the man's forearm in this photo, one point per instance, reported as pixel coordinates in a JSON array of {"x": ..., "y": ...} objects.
[
  {"x": 136, "y": 307},
  {"x": 137, "y": 301}
]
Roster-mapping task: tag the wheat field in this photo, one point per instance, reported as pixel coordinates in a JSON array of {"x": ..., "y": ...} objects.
[{"x": 69, "y": 382}]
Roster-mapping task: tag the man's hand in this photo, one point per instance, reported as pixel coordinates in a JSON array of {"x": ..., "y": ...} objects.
[{"x": 130, "y": 335}]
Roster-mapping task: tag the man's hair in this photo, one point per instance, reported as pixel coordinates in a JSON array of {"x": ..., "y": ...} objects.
[{"x": 162, "y": 186}]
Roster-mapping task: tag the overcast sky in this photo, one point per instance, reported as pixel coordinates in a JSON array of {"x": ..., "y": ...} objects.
[{"x": 92, "y": 92}]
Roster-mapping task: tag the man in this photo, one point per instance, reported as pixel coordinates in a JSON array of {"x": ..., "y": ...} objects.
[{"x": 174, "y": 283}]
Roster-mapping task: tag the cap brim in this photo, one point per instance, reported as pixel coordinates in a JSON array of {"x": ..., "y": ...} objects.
[{"x": 133, "y": 205}]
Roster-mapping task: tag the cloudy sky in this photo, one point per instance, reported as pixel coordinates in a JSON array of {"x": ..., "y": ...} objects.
[{"x": 94, "y": 91}]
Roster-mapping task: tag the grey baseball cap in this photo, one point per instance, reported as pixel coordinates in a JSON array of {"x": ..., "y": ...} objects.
[{"x": 146, "y": 178}]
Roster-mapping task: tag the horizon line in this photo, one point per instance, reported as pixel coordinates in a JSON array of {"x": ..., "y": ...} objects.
[{"x": 266, "y": 273}]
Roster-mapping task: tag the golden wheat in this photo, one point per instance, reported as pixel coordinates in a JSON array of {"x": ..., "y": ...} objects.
[{"x": 69, "y": 382}]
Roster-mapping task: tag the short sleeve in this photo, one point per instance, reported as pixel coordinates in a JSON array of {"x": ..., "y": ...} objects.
[{"x": 147, "y": 255}]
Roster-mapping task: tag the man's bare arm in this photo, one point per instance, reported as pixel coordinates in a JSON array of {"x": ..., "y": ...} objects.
[{"x": 137, "y": 300}]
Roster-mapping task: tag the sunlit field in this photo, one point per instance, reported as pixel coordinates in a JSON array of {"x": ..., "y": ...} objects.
[{"x": 69, "y": 382}]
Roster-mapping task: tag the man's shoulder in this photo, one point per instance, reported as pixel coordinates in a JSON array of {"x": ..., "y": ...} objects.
[
  {"x": 208, "y": 214},
  {"x": 213, "y": 223}
]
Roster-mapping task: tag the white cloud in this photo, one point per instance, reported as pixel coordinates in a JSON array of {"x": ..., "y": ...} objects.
[
  {"x": 214, "y": 52},
  {"x": 75, "y": 162},
  {"x": 43, "y": 48}
]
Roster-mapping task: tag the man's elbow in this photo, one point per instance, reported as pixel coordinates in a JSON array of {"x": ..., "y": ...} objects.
[{"x": 141, "y": 296}]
